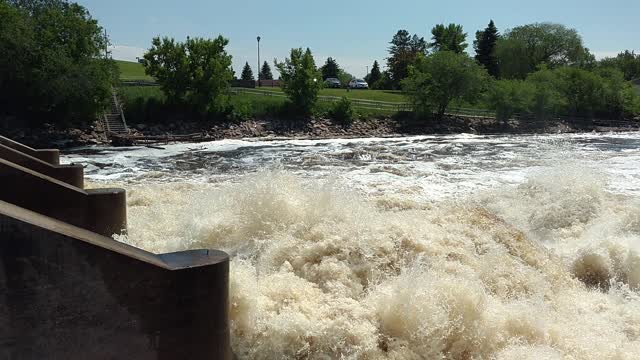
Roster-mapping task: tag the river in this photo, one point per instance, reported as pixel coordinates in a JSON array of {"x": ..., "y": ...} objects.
[{"x": 426, "y": 247}]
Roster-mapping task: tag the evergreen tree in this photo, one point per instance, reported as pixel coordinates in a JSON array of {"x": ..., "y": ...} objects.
[
  {"x": 403, "y": 51},
  {"x": 448, "y": 38},
  {"x": 247, "y": 73},
  {"x": 330, "y": 69},
  {"x": 265, "y": 73},
  {"x": 485, "y": 46},
  {"x": 375, "y": 75}
]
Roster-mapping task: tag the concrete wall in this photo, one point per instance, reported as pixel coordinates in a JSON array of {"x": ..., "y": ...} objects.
[
  {"x": 103, "y": 211},
  {"x": 70, "y": 174},
  {"x": 67, "y": 293},
  {"x": 52, "y": 156}
]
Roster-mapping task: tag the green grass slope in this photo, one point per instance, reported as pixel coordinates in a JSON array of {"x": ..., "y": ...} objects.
[
  {"x": 374, "y": 95},
  {"x": 132, "y": 71}
]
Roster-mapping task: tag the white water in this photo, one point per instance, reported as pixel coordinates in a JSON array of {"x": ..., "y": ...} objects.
[{"x": 460, "y": 247}]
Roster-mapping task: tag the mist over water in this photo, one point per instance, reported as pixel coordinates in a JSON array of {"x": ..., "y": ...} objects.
[{"x": 453, "y": 247}]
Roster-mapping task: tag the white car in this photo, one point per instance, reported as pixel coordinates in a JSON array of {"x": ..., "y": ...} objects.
[{"x": 358, "y": 84}]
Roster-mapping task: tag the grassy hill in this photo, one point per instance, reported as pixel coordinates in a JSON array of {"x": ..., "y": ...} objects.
[{"x": 130, "y": 71}]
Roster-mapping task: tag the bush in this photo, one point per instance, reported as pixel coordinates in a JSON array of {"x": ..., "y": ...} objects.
[
  {"x": 342, "y": 112},
  {"x": 508, "y": 97},
  {"x": 547, "y": 101}
]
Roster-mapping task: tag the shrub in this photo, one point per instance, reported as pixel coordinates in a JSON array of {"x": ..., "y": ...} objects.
[
  {"x": 508, "y": 97},
  {"x": 342, "y": 111}
]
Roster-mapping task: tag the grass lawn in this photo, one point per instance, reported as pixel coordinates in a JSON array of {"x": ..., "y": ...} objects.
[
  {"x": 375, "y": 95},
  {"x": 252, "y": 104},
  {"x": 131, "y": 71},
  {"x": 129, "y": 93}
]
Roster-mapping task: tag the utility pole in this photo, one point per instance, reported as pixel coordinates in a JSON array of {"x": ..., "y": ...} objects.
[
  {"x": 106, "y": 45},
  {"x": 259, "y": 61}
]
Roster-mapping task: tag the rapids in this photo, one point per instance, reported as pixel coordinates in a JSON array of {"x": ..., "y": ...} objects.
[{"x": 452, "y": 247}]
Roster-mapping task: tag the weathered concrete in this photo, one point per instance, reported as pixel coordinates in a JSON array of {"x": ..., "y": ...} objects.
[
  {"x": 52, "y": 156},
  {"x": 103, "y": 211},
  {"x": 67, "y": 293},
  {"x": 70, "y": 174}
]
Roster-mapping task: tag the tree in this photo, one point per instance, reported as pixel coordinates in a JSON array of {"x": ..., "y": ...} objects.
[
  {"x": 436, "y": 80},
  {"x": 403, "y": 51},
  {"x": 196, "y": 72},
  {"x": 210, "y": 73},
  {"x": 247, "y": 73},
  {"x": 485, "y": 47},
  {"x": 265, "y": 73},
  {"x": 523, "y": 49},
  {"x": 330, "y": 69},
  {"x": 52, "y": 64},
  {"x": 167, "y": 62},
  {"x": 344, "y": 78},
  {"x": 448, "y": 38},
  {"x": 374, "y": 75},
  {"x": 582, "y": 90},
  {"x": 301, "y": 81},
  {"x": 628, "y": 62}
]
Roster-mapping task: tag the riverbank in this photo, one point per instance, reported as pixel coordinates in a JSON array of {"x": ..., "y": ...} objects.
[{"x": 315, "y": 128}]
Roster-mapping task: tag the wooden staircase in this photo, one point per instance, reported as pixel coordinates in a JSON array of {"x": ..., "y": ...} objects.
[{"x": 113, "y": 121}]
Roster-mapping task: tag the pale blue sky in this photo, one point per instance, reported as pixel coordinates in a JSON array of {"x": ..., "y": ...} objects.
[{"x": 354, "y": 32}]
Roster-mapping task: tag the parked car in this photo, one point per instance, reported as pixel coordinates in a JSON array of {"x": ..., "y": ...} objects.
[
  {"x": 358, "y": 84},
  {"x": 332, "y": 83}
]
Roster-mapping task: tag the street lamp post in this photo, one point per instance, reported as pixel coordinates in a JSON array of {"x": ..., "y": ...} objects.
[{"x": 258, "y": 61}]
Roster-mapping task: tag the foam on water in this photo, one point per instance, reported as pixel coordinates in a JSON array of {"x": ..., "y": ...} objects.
[
  {"x": 319, "y": 270},
  {"x": 525, "y": 258}
]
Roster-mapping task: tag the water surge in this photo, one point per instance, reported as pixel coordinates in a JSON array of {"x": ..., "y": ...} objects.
[{"x": 545, "y": 269}]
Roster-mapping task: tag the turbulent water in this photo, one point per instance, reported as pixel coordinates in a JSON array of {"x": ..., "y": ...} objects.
[{"x": 452, "y": 247}]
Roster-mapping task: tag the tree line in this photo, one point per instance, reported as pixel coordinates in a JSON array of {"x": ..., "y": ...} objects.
[
  {"x": 52, "y": 69},
  {"x": 52, "y": 64}
]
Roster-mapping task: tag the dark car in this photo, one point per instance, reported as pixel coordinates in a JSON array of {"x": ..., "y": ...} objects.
[{"x": 332, "y": 83}]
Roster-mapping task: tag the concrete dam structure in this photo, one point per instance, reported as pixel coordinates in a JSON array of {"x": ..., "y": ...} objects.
[{"x": 68, "y": 290}]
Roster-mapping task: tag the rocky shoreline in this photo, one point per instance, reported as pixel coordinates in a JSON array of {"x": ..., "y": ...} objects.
[{"x": 311, "y": 128}]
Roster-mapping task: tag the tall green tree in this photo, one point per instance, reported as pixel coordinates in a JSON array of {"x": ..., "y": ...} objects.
[
  {"x": 448, "y": 38},
  {"x": 628, "y": 62},
  {"x": 247, "y": 73},
  {"x": 196, "y": 72},
  {"x": 442, "y": 77},
  {"x": 167, "y": 62},
  {"x": 265, "y": 72},
  {"x": 523, "y": 49},
  {"x": 403, "y": 51},
  {"x": 210, "y": 73},
  {"x": 374, "y": 75},
  {"x": 485, "y": 47},
  {"x": 301, "y": 80},
  {"x": 330, "y": 69},
  {"x": 52, "y": 63}
]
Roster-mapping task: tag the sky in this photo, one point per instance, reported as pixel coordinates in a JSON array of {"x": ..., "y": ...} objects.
[{"x": 353, "y": 32}]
